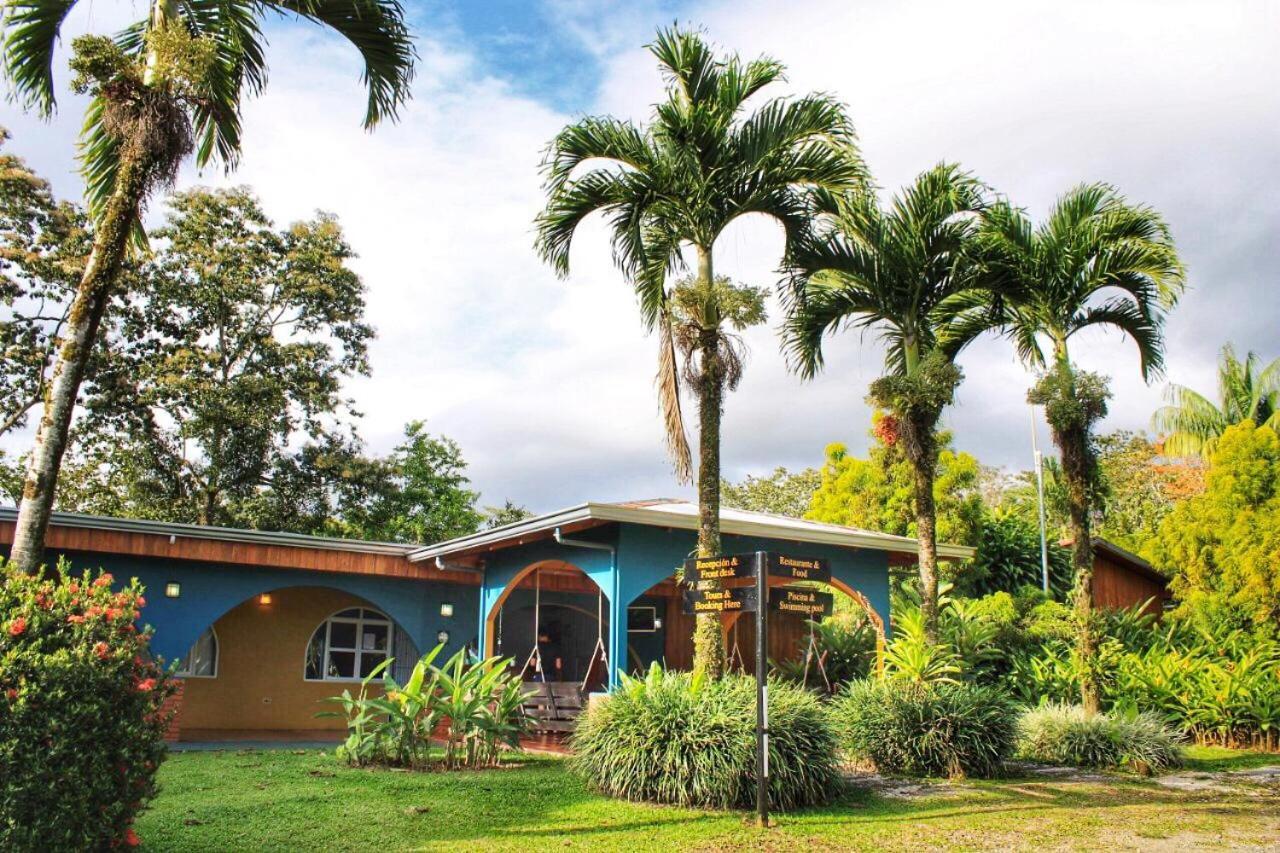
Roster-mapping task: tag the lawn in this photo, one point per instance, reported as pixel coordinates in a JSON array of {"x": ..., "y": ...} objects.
[{"x": 307, "y": 799}]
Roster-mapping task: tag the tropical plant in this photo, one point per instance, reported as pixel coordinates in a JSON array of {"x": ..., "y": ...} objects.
[
  {"x": 170, "y": 84},
  {"x": 912, "y": 657},
  {"x": 940, "y": 729},
  {"x": 1067, "y": 734},
  {"x": 844, "y": 649},
  {"x": 904, "y": 272},
  {"x": 1008, "y": 557},
  {"x": 684, "y": 739},
  {"x": 1096, "y": 261},
  {"x": 675, "y": 185},
  {"x": 1248, "y": 390},
  {"x": 782, "y": 493},
  {"x": 83, "y": 711},
  {"x": 478, "y": 704}
]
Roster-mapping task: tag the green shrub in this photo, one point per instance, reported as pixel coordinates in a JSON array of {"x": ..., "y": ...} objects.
[
  {"x": 675, "y": 738},
  {"x": 937, "y": 729},
  {"x": 81, "y": 722},
  {"x": 1065, "y": 734},
  {"x": 477, "y": 704},
  {"x": 846, "y": 645}
]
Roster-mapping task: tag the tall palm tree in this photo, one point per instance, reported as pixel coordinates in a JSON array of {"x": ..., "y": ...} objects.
[
  {"x": 167, "y": 85},
  {"x": 1096, "y": 261},
  {"x": 1247, "y": 391},
  {"x": 672, "y": 186},
  {"x": 904, "y": 272}
]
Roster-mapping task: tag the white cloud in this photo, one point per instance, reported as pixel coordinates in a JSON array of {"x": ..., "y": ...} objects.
[{"x": 548, "y": 385}]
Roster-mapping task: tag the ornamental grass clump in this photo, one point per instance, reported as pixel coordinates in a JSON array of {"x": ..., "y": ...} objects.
[
  {"x": 926, "y": 729},
  {"x": 680, "y": 739},
  {"x": 82, "y": 717},
  {"x": 1066, "y": 734}
]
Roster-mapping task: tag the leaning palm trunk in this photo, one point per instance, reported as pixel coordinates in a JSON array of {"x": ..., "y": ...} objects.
[{"x": 92, "y": 296}]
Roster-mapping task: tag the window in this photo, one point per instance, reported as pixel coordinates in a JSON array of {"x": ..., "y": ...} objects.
[
  {"x": 349, "y": 644},
  {"x": 642, "y": 619},
  {"x": 202, "y": 660}
]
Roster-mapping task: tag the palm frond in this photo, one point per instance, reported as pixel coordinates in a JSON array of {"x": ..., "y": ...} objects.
[
  {"x": 99, "y": 155},
  {"x": 668, "y": 384},
  {"x": 31, "y": 31}
]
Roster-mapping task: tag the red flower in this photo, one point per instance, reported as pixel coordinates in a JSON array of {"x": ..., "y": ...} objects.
[
  {"x": 104, "y": 580},
  {"x": 12, "y": 693},
  {"x": 75, "y": 619},
  {"x": 73, "y": 587},
  {"x": 101, "y": 650},
  {"x": 131, "y": 838},
  {"x": 112, "y": 614},
  {"x": 142, "y": 602},
  {"x": 17, "y": 626},
  {"x": 146, "y": 685}
]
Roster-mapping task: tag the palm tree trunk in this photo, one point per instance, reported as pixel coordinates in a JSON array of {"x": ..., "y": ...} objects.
[
  {"x": 1075, "y": 468},
  {"x": 708, "y": 635},
  {"x": 92, "y": 296},
  {"x": 922, "y": 452}
]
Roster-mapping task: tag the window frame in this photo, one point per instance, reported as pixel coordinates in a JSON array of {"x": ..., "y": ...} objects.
[
  {"x": 217, "y": 655},
  {"x": 358, "y": 653}
]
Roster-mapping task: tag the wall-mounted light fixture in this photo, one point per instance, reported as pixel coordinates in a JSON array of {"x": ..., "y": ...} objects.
[
  {"x": 442, "y": 637},
  {"x": 446, "y": 608},
  {"x": 657, "y": 623},
  {"x": 172, "y": 590},
  {"x": 265, "y": 598}
]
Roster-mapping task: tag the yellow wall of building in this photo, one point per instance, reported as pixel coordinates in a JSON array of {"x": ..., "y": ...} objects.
[{"x": 261, "y": 656}]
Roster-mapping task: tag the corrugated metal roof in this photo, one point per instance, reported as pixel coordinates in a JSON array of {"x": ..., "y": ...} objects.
[
  {"x": 666, "y": 512},
  {"x": 225, "y": 534}
]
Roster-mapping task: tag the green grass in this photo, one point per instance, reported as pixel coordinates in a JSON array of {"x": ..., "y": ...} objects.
[
  {"x": 299, "y": 800},
  {"x": 1211, "y": 759}
]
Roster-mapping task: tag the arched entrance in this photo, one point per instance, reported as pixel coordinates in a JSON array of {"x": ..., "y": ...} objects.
[{"x": 552, "y": 621}]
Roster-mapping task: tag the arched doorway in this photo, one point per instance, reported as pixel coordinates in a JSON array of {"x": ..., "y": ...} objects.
[{"x": 552, "y": 622}]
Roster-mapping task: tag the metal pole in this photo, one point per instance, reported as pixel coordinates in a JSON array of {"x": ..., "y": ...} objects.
[
  {"x": 1044, "y": 542},
  {"x": 762, "y": 691}
]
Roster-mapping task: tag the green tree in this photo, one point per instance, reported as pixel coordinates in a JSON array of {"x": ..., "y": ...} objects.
[
  {"x": 1247, "y": 391},
  {"x": 164, "y": 87},
  {"x": 1223, "y": 547},
  {"x": 674, "y": 185},
  {"x": 877, "y": 493},
  {"x": 780, "y": 493},
  {"x": 904, "y": 272},
  {"x": 235, "y": 355},
  {"x": 420, "y": 494},
  {"x": 508, "y": 513},
  {"x": 1096, "y": 261},
  {"x": 1008, "y": 558}
]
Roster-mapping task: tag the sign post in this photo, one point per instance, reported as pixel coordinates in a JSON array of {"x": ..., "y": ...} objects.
[{"x": 762, "y": 690}]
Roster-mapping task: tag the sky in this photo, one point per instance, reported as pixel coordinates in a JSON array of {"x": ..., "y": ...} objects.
[{"x": 547, "y": 384}]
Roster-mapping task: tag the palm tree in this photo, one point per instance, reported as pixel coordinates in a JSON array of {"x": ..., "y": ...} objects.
[
  {"x": 905, "y": 273},
  {"x": 167, "y": 85},
  {"x": 1247, "y": 391},
  {"x": 674, "y": 186},
  {"x": 1096, "y": 261}
]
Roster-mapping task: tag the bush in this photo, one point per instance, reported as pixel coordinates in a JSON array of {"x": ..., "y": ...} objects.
[
  {"x": 938, "y": 729},
  {"x": 1065, "y": 734},
  {"x": 477, "y": 704},
  {"x": 81, "y": 726},
  {"x": 675, "y": 738},
  {"x": 846, "y": 645}
]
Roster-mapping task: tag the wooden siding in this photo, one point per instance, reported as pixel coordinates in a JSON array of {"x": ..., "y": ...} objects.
[
  {"x": 1117, "y": 586},
  {"x": 88, "y": 540}
]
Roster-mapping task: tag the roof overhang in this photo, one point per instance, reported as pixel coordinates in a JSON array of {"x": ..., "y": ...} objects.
[{"x": 588, "y": 515}]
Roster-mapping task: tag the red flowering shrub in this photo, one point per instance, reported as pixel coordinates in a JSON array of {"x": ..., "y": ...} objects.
[{"x": 81, "y": 727}]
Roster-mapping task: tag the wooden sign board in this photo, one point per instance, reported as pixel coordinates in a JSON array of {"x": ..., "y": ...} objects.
[
  {"x": 809, "y": 603},
  {"x": 799, "y": 568},
  {"x": 741, "y": 600},
  {"x": 718, "y": 568}
]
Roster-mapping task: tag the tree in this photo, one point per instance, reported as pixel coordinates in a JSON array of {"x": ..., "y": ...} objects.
[
  {"x": 43, "y": 246},
  {"x": 1247, "y": 391},
  {"x": 904, "y": 272},
  {"x": 1096, "y": 261},
  {"x": 1223, "y": 547},
  {"x": 877, "y": 493},
  {"x": 780, "y": 493},
  {"x": 1008, "y": 558},
  {"x": 233, "y": 358},
  {"x": 419, "y": 494},
  {"x": 166, "y": 86},
  {"x": 508, "y": 513},
  {"x": 674, "y": 186}
]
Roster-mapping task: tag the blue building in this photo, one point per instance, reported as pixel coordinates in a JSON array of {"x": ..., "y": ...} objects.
[{"x": 266, "y": 625}]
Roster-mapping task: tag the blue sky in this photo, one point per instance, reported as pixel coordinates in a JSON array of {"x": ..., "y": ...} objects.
[{"x": 547, "y": 384}]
